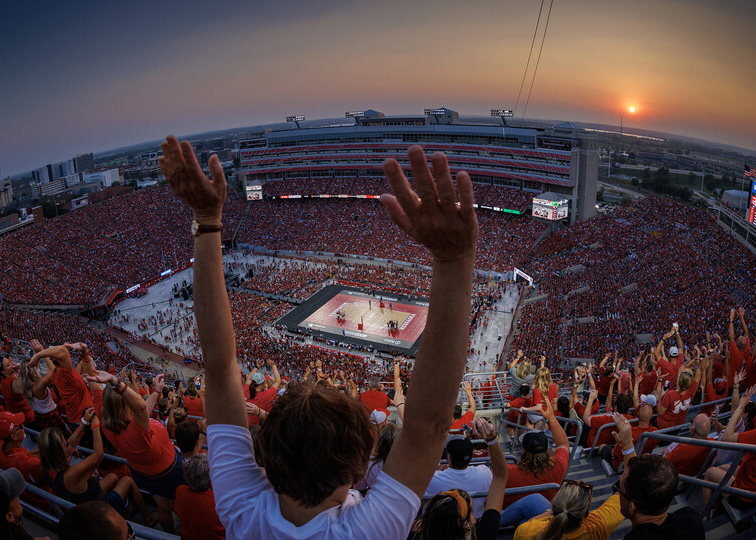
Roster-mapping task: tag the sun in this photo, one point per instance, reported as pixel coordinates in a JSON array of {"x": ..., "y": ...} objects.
[{"x": 631, "y": 109}]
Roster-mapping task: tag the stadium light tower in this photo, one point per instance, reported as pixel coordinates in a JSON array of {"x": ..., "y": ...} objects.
[
  {"x": 503, "y": 113},
  {"x": 297, "y": 118}
]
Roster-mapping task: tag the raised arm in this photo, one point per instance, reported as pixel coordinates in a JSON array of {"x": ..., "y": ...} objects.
[
  {"x": 276, "y": 374},
  {"x": 731, "y": 327},
  {"x": 450, "y": 232},
  {"x": 59, "y": 352},
  {"x": 78, "y": 473},
  {"x": 132, "y": 399},
  {"x": 557, "y": 431},
  {"x": 224, "y": 399},
  {"x": 636, "y": 397},
  {"x": 470, "y": 399},
  {"x": 741, "y": 316},
  {"x": 588, "y": 407},
  {"x": 483, "y": 429},
  {"x": 516, "y": 359},
  {"x": 729, "y": 434}
]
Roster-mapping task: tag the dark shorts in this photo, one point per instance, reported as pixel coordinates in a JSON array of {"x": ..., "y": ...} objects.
[
  {"x": 165, "y": 483},
  {"x": 115, "y": 500}
]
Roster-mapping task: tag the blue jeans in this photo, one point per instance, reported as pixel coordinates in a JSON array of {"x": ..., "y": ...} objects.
[{"x": 523, "y": 509}]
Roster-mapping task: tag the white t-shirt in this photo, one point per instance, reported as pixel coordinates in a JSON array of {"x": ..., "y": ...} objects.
[
  {"x": 248, "y": 505},
  {"x": 472, "y": 479}
]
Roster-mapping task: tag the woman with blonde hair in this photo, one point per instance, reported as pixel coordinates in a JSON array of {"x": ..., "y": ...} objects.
[
  {"x": 543, "y": 389},
  {"x": 521, "y": 373},
  {"x": 35, "y": 388},
  {"x": 674, "y": 404},
  {"x": 570, "y": 516}
]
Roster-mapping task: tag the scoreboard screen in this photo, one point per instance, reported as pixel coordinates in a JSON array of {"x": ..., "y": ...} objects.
[
  {"x": 254, "y": 192},
  {"x": 551, "y": 210}
]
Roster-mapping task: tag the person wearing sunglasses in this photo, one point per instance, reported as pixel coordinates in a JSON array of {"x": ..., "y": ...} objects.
[{"x": 570, "y": 516}]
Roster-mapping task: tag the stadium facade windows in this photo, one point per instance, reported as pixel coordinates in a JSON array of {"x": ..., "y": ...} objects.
[{"x": 562, "y": 159}]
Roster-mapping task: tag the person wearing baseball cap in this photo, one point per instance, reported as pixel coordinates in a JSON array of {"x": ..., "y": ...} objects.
[
  {"x": 11, "y": 486},
  {"x": 676, "y": 360},
  {"x": 257, "y": 394},
  {"x": 14, "y": 455},
  {"x": 537, "y": 465},
  {"x": 459, "y": 474}
]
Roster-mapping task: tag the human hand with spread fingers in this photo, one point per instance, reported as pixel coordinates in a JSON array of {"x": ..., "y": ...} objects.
[
  {"x": 205, "y": 196},
  {"x": 438, "y": 216}
]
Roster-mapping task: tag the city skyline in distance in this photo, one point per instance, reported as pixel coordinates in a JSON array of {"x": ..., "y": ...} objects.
[{"x": 92, "y": 78}]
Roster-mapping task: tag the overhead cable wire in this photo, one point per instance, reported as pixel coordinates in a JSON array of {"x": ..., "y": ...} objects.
[
  {"x": 527, "y": 65},
  {"x": 545, "y": 29}
]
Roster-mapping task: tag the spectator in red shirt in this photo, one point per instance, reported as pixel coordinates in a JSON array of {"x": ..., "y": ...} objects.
[
  {"x": 740, "y": 349},
  {"x": 645, "y": 371},
  {"x": 12, "y": 389},
  {"x": 676, "y": 357},
  {"x": 538, "y": 465},
  {"x": 14, "y": 455},
  {"x": 461, "y": 419},
  {"x": 374, "y": 398},
  {"x": 688, "y": 458},
  {"x": 193, "y": 400},
  {"x": 745, "y": 475},
  {"x": 543, "y": 390},
  {"x": 76, "y": 482},
  {"x": 519, "y": 417},
  {"x": 645, "y": 411},
  {"x": 257, "y": 394},
  {"x": 595, "y": 421},
  {"x": 73, "y": 391},
  {"x": 195, "y": 503},
  {"x": 154, "y": 462},
  {"x": 714, "y": 389},
  {"x": 675, "y": 403}
]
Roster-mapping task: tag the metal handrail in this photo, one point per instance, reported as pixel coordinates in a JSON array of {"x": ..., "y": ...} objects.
[
  {"x": 141, "y": 531},
  {"x": 84, "y": 449},
  {"x": 601, "y": 428},
  {"x": 535, "y": 488},
  {"x": 741, "y": 448},
  {"x": 579, "y": 434}
]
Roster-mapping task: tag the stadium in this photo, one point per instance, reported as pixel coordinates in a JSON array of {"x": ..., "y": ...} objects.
[{"x": 323, "y": 286}]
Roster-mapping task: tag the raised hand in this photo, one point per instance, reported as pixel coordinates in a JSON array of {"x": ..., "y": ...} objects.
[
  {"x": 159, "y": 383},
  {"x": 102, "y": 377},
  {"x": 36, "y": 346},
  {"x": 482, "y": 429},
  {"x": 434, "y": 216},
  {"x": 184, "y": 174},
  {"x": 624, "y": 434}
]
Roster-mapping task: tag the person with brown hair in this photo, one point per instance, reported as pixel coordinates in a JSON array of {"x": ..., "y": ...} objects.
[
  {"x": 76, "y": 483},
  {"x": 316, "y": 441},
  {"x": 386, "y": 437},
  {"x": 537, "y": 465},
  {"x": 154, "y": 462}
]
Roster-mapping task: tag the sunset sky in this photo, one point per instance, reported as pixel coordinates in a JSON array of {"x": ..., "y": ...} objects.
[{"x": 89, "y": 76}]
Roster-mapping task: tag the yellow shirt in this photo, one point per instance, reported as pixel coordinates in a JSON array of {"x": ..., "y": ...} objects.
[{"x": 598, "y": 525}]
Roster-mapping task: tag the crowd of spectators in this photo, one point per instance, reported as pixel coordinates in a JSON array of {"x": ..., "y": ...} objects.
[
  {"x": 361, "y": 227},
  {"x": 635, "y": 270},
  {"x": 85, "y": 254}
]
